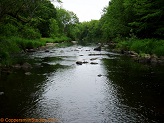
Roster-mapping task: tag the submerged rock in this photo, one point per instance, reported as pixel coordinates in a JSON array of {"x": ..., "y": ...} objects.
[
  {"x": 93, "y": 63},
  {"x": 85, "y": 62},
  {"x": 30, "y": 50},
  {"x": 26, "y": 65},
  {"x": 79, "y": 62},
  {"x": 47, "y": 51},
  {"x": 93, "y": 59},
  {"x": 97, "y": 48},
  {"x": 99, "y": 75}
]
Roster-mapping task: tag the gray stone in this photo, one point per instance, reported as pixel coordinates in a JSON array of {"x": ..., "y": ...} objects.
[
  {"x": 79, "y": 62},
  {"x": 17, "y": 66},
  {"x": 93, "y": 63},
  {"x": 28, "y": 73},
  {"x": 26, "y": 66}
]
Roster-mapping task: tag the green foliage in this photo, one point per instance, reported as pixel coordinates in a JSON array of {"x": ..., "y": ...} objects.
[
  {"x": 88, "y": 31},
  {"x": 55, "y": 39},
  {"x": 8, "y": 30},
  {"x": 66, "y": 21},
  {"x": 30, "y": 33},
  {"x": 148, "y": 46},
  {"x": 159, "y": 48},
  {"x": 142, "y": 46},
  {"x": 124, "y": 45},
  {"x": 126, "y": 19},
  {"x": 6, "y": 48},
  {"x": 54, "y": 28},
  {"x": 27, "y": 44}
]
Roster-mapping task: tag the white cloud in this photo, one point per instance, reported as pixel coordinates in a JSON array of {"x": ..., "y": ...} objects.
[{"x": 85, "y": 9}]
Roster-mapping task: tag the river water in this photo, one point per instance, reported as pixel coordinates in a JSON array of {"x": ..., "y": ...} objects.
[{"x": 116, "y": 90}]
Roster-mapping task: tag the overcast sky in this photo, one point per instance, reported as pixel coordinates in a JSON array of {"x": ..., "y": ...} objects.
[{"x": 85, "y": 9}]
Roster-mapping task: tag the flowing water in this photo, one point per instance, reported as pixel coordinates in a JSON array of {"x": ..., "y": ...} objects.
[{"x": 116, "y": 90}]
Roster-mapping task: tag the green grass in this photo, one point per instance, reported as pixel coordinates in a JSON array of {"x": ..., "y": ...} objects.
[
  {"x": 148, "y": 46},
  {"x": 55, "y": 39},
  {"x": 12, "y": 45}
]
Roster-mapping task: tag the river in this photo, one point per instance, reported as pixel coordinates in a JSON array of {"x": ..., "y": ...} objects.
[{"x": 113, "y": 90}]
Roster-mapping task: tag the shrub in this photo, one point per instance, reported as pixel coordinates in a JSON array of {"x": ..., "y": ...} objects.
[
  {"x": 124, "y": 45},
  {"x": 8, "y": 30},
  {"x": 159, "y": 48},
  {"x": 30, "y": 33}
]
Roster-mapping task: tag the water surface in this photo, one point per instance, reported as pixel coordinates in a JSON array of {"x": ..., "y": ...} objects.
[{"x": 116, "y": 90}]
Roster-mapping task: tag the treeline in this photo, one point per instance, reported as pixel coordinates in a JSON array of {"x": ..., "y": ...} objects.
[
  {"x": 24, "y": 22},
  {"x": 33, "y": 19},
  {"x": 127, "y": 18}
]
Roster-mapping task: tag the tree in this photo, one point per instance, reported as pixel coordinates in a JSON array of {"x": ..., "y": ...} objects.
[
  {"x": 66, "y": 21},
  {"x": 149, "y": 18}
]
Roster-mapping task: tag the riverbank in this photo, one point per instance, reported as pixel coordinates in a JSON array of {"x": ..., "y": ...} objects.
[
  {"x": 142, "y": 51},
  {"x": 9, "y": 46}
]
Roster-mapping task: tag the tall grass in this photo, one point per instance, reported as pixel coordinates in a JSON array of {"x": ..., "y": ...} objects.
[
  {"x": 11, "y": 45},
  {"x": 148, "y": 46}
]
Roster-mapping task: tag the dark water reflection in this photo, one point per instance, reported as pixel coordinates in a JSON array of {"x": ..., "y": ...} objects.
[
  {"x": 127, "y": 92},
  {"x": 139, "y": 87}
]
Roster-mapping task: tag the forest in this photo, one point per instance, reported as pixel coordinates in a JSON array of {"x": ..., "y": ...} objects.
[{"x": 131, "y": 24}]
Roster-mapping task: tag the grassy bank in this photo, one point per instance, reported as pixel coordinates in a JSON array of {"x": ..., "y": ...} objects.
[
  {"x": 14, "y": 45},
  {"x": 141, "y": 46}
]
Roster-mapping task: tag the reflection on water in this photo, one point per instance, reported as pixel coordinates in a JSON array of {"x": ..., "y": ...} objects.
[
  {"x": 140, "y": 87},
  {"x": 57, "y": 88}
]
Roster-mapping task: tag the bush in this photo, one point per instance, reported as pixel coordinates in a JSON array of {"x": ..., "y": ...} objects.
[
  {"x": 7, "y": 47},
  {"x": 124, "y": 45},
  {"x": 148, "y": 46},
  {"x": 159, "y": 48},
  {"x": 141, "y": 46},
  {"x": 8, "y": 30},
  {"x": 30, "y": 33}
]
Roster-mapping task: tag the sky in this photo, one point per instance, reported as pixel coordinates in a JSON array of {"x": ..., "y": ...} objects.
[{"x": 85, "y": 10}]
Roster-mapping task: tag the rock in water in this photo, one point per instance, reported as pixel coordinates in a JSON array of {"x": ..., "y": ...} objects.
[
  {"x": 97, "y": 48},
  {"x": 99, "y": 75},
  {"x": 79, "y": 62},
  {"x": 26, "y": 66},
  {"x": 28, "y": 73},
  {"x": 93, "y": 63}
]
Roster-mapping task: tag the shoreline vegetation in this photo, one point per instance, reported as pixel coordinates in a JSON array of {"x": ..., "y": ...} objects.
[
  {"x": 10, "y": 46},
  {"x": 141, "y": 50}
]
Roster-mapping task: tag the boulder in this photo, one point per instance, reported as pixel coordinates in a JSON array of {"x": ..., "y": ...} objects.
[
  {"x": 85, "y": 62},
  {"x": 30, "y": 50},
  {"x": 28, "y": 73},
  {"x": 154, "y": 59},
  {"x": 79, "y": 62},
  {"x": 93, "y": 63},
  {"x": 97, "y": 48},
  {"x": 144, "y": 60},
  {"x": 99, "y": 75},
  {"x": 26, "y": 65},
  {"x": 47, "y": 51},
  {"x": 17, "y": 66},
  {"x": 49, "y": 44},
  {"x": 93, "y": 59}
]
